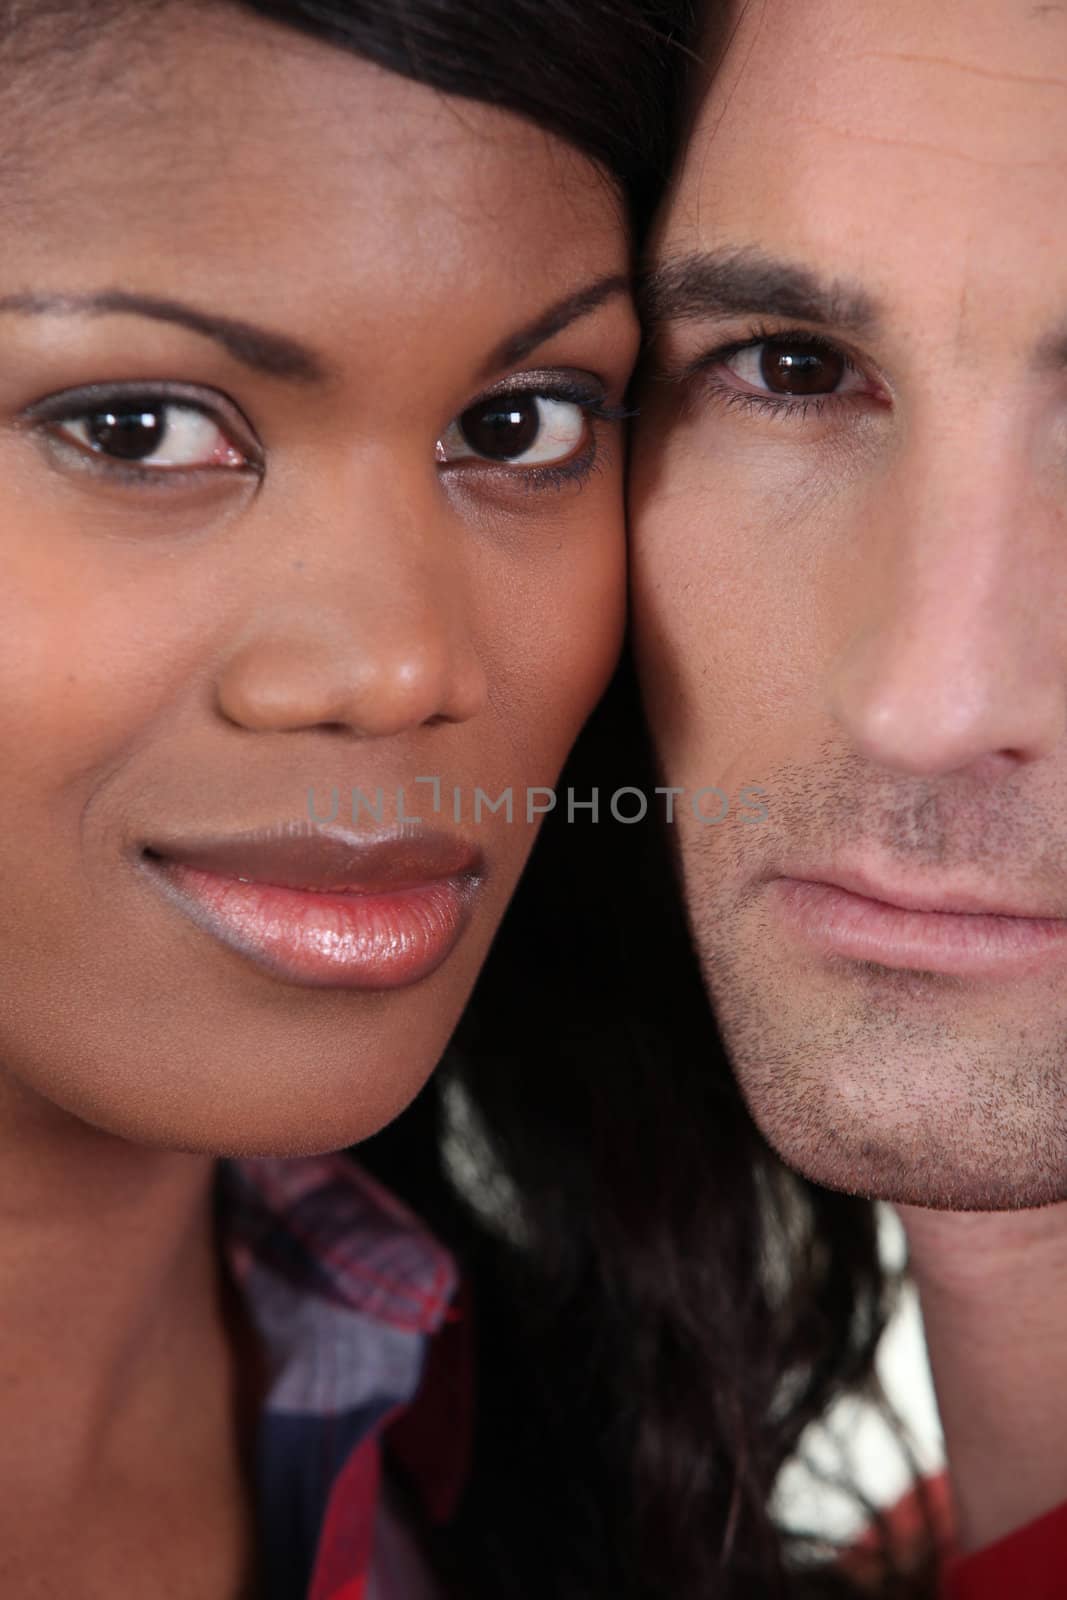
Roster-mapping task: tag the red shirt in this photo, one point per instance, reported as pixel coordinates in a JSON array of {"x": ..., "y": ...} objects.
[{"x": 1030, "y": 1564}]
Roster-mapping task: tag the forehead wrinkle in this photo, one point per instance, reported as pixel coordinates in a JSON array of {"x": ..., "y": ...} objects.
[
  {"x": 1036, "y": 80},
  {"x": 901, "y": 79},
  {"x": 928, "y": 148}
]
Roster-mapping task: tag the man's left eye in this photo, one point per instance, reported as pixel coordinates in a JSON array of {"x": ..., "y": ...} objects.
[
  {"x": 517, "y": 430},
  {"x": 150, "y": 432}
]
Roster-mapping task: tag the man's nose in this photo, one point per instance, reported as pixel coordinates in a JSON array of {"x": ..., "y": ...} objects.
[
  {"x": 957, "y": 653},
  {"x": 360, "y": 618}
]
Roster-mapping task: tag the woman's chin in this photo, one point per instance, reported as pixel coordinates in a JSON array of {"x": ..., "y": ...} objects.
[{"x": 274, "y": 1116}]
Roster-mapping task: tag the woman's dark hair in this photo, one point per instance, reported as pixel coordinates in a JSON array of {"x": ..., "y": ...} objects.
[
  {"x": 665, "y": 1308},
  {"x": 660, "y": 1308},
  {"x": 602, "y": 74}
]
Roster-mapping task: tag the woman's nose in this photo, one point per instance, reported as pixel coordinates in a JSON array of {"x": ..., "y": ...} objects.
[{"x": 373, "y": 633}]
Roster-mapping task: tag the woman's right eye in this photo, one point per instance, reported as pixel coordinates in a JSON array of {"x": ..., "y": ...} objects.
[{"x": 150, "y": 433}]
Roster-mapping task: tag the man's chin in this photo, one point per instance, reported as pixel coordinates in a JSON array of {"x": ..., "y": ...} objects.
[
  {"x": 891, "y": 1086},
  {"x": 941, "y": 1166}
]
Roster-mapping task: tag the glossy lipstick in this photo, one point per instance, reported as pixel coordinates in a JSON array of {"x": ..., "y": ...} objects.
[
  {"x": 325, "y": 908},
  {"x": 922, "y": 930}
]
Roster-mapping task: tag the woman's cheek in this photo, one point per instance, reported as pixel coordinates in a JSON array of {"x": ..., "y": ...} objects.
[{"x": 564, "y": 644}]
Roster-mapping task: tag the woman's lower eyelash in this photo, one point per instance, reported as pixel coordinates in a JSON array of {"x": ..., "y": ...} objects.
[
  {"x": 531, "y": 480},
  {"x": 580, "y": 470},
  {"x": 594, "y": 460},
  {"x": 163, "y": 478}
]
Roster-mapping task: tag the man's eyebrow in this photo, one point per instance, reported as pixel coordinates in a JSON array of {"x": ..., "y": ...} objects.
[
  {"x": 1052, "y": 351},
  {"x": 275, "y": 354},
  {"x": 739, "y": 282},
  {"x": 557, "y": 317}
]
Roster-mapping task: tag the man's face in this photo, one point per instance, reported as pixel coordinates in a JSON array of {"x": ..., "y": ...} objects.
[{"x": 850, "y": 518}]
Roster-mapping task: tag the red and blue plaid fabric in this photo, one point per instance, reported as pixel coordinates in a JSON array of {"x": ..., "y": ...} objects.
[{"x": 347, "y": 1291}]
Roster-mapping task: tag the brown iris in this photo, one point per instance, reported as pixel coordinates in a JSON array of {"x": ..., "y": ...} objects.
[
  {"x": 798, "y": 369},
  {"x": 502, "y": 428},
  {"x": 132, "y": 432}
]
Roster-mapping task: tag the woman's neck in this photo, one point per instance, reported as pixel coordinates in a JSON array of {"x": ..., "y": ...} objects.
[
  {"x": 120, "y": 1467},
  {"x": 109, "y": 1304}
]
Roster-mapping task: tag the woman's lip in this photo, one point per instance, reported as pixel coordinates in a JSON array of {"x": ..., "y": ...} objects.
[
  {"x": 387, "y": 938},
  {"x": 306, "y": 855},
  {"x": 839, "y": 921}
]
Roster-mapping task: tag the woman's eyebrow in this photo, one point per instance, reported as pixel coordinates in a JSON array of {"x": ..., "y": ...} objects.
[
  {"x": 275, "y": 354},
  {"x": 552, "y": 321}
]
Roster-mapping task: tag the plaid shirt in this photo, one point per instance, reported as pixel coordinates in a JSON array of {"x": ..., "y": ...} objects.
[{"x": 352, "y": 1300}]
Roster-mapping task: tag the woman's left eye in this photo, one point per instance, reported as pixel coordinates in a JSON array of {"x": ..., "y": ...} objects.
[
  {"x": 519, "y": 429},
  {"x": 150, "y": 432}
]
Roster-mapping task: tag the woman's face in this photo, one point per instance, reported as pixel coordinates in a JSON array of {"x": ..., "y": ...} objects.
[{"x": 272, "y": 542}]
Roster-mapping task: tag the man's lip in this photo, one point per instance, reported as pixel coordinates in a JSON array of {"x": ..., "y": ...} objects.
[
  {"x": 305, "y": 855},
  {"x": 954, "y": 899},
  {"x": 954, "y": 931}
]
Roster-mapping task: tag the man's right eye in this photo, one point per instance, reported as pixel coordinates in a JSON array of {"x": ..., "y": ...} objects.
[{"x": 793, "y": 368}]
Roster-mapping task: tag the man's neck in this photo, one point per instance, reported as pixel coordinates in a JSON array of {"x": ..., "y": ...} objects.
[{"x": 994, "y": 1296}]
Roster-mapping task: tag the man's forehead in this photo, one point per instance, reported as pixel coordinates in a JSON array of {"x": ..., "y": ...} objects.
[
  {"x": 980, "y": 84},
  {"x": 914, "y": 155},
  {"x": 1000, "y": 39}
]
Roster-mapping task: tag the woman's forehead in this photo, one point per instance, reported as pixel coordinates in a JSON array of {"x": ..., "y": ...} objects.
[
  {"x": 243, "y": 165},
  {"x": 195, "y": 121}
]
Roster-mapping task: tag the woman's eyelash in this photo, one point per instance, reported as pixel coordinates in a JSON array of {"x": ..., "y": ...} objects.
[
  {"x": 79, "y": 405},
  {"x": 592, "y": 407},
  {"x": 96, "y": 400},
  {"x": 593, "y": 460},
  {"x": 594, "y": 402},
  {"x": 590, "y": 398}
]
